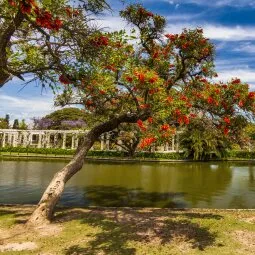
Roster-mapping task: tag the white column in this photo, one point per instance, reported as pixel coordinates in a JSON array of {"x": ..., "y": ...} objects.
[
  {"x": 47, "y": 140},
  {"x": 15, "y": 139},
  {"x": 20, "y": 139},
  {"x": 107, "y": 142},
  {"x": 30, "y": 136},
  {"x": 39, "y": 145},
  {"x": 9, "y": 139},
  {"x": 166, "y": 147},
  {"x": 73, "y": 140},
  {"x": 119, "y": 142},
  {"x": 55, "y": 140},
  {"x": 173, "y": 145},
  {"x": 25, "y": 139},
  {"x": 76, "y": 142},
  {"x": 64, "y": 141},
  {"x": 177, "y": 142},
  {"x": 102, "y": 143},
  {"x": 4, "y": 137}
]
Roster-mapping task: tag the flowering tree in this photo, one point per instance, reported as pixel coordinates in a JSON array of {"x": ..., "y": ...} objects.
[
  {"x": 67, "y": 118},
  {"x": 157, "y": 82},
  {"x": 37, "y": 36}
]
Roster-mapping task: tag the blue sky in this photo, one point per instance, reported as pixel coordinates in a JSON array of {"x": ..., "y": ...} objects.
[{"x": 230, "y": 24}]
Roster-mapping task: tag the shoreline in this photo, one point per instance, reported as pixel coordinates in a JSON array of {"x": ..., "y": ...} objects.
[
  {"x": 176, "y": 209},
  {"x": 112, "y": 159}
]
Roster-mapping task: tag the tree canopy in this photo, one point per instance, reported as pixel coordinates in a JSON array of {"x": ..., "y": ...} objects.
[
  {"x": 67, "y": 118},
  {"x": 164, "y": 80},
  {"x": 38, "y": 37}
]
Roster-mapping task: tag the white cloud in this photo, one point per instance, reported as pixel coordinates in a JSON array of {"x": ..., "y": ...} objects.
[
  {"x": 217, "y": 3},
  {"x": 111, "y": 23},
  {"x": 217, "y": 32},
  {"x": 246, "y": 47},
  {"x": 246, "y": 75},
  {"x": 21, "y": 108}
]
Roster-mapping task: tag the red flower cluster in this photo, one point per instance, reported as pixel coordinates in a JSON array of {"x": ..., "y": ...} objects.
[
  {"x": 241, "y": 103},
  {"x": 129, "y": 79},
  {"x": 140, "y": 125},
  {"x": 226, "y": 131},
  {"x": 71, "y": 12},
  {"x": 89, "y": 103},
  {"x": 100, "y": 41},
  {"x": 236, "y": 81},
  {"x": 177, "y": 112},
  {"x": 140, "y": 76},
  {"x": 150, "y": 120},
  {"x": 144, "y": 12},
  {"x": 210, "y": 100},
  {"x": 64, "y": 79},
  {"x": 25, "y": 6},
  {"x": 111, "y": 67},
  {"x": 251, "y": 95},
  {"x": 144, "y": 106},
  {"x": 12, "y": 3},
  {"x": 153, "y": 79},
  {"x": 171, "y": 37},
  {"x": 44, "y": 19},
  {"x": 153, "y": 91},
  {"x": 183, "y": 120},
  {"x": 146, "y": 142},
  {"x": 169, "y": 99},
  {"x": 164, "y": 128},
  {"x": 227, "y": 120}
]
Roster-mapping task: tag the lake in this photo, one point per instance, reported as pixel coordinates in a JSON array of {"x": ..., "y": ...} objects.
[{"x": 164, "y": 185}]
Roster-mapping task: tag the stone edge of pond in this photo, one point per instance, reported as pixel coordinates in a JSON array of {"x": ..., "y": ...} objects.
[
  {"x": 114, "y": 159},
  {"x": 132, "y": 208}
]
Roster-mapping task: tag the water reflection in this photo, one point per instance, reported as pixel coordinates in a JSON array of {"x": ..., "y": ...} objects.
[
  {"x": 116, "y": 196},
  {"x": 207, "y": 184}
]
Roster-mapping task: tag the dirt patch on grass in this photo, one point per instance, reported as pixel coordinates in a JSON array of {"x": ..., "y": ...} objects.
[
  {"x": 246, "y": 238},
  {"x": 249, "y": 220},
  {"x": 18, "y": 246},
  {"x": 48, "y": 230}
]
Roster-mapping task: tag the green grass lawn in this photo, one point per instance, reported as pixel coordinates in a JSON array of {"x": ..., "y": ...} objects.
[{"x": 131, "y": 231}]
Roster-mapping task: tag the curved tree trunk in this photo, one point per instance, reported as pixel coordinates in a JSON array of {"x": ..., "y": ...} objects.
[{"x": 45, "y": 209}]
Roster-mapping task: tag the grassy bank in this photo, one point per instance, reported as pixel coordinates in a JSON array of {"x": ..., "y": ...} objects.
[{"x": 130, "y": 231}]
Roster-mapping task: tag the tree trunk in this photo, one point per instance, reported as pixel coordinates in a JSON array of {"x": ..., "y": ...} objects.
[
  {"x": 5, "y": 38},
  {"x": 45, "y": 209}
]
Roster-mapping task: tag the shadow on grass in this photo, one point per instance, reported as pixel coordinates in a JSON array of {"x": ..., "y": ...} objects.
[
  {"x": 19, "y": 215},
  {"x": 118, "y": 227}
]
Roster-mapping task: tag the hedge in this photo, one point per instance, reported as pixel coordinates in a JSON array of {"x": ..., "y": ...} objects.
[
  {"x": 57, "y": 151},
  {"x": 241, "y": 154},
  {"x": 151, "y": 155}
]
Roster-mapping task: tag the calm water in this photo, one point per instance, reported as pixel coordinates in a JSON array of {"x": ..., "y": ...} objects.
[{"x": 205, "y": 185}]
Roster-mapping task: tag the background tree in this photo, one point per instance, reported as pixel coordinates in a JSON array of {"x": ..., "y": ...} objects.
[
  {"x": 158, "y": 84},
  {"x": 64, "y": 119},
  {"x": 15, "y": 124},
  {"x": 201, "y": 140},
  {"x": 3, "y": 123},
  {"x": 7, "y": 120},
  {"x": 23, "y": 125},
  {"x": 126, "y": 137}
]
